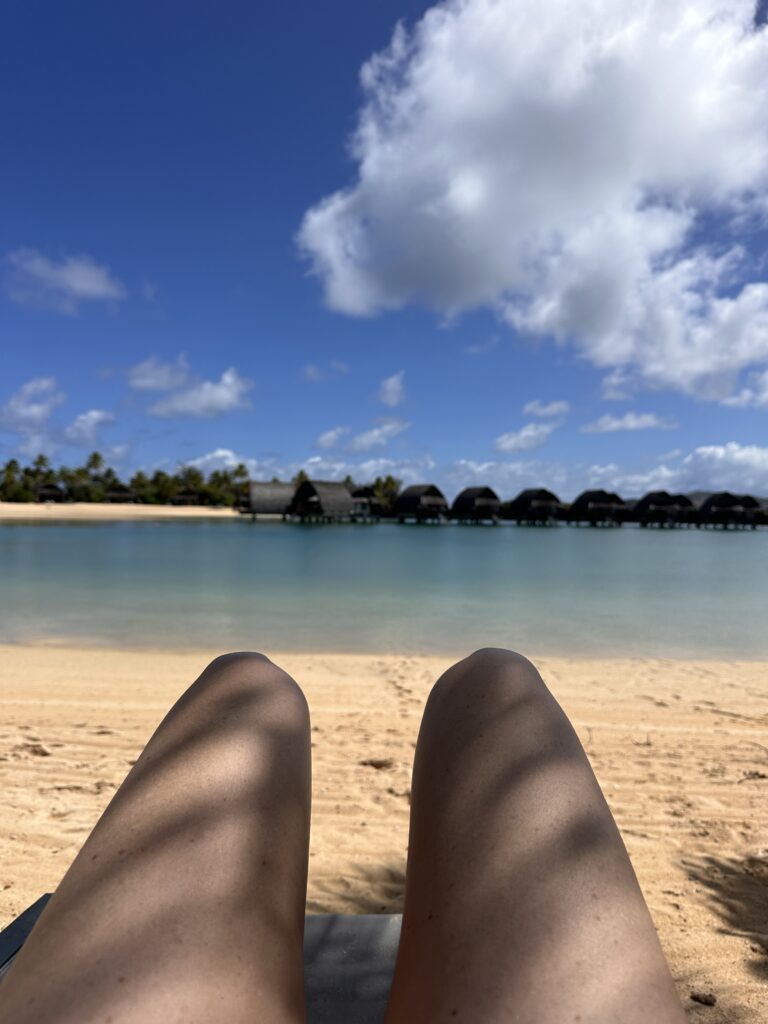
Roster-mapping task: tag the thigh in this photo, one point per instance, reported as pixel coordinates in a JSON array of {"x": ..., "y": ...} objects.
[
  {"x": 521, "y": 903},
  {"x": 186, "y": 903}
]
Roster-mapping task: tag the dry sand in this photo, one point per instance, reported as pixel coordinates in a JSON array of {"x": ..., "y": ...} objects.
[
  {"x": 52, "y": 512},
  {"x": 680, "y": 748}
]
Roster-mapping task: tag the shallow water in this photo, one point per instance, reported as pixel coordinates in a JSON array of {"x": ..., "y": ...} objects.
[{"x": 410, "y": 589}]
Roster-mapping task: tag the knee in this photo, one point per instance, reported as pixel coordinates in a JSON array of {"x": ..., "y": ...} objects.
[
  {"x": 491, "y": 673},
  {"x": 245, "y": 675}
]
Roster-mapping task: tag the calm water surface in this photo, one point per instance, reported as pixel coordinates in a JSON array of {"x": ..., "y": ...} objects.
[{"x": 386, "y": 588}]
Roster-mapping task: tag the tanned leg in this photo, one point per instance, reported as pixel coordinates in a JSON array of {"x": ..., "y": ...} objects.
[
  {"x": 186, "y": 903},
  {"x": 521, "y": 903}
]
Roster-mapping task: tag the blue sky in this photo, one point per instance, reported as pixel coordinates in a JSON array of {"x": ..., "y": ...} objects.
[{"x": 482, "y": 249}]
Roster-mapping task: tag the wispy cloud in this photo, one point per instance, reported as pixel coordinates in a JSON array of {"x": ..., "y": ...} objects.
[
  {"x": 84, "y": 429},
  {"x": 392, "y": 389},
  {"x": 315, "y": 374},
  {"x": 206, "y": 399},
  {"x": 532, "y": 435},
  {"x": 331, "y": 438},
  {"x": 153, "y": 375},
  {"x": 28, "y": 411},
  {"x": 61, "y": 285},
  {"x": 481, "y": 348},
  {"x": 629, "y": 421},
  {"x": 378, "y": 437},
  {"x": 545, "y": 411}
]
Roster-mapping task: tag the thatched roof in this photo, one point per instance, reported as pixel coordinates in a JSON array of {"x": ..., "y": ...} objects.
[
  {"x": 50, "y": 492},
  {"x": 530, "y": 499},
  {"x": 323, "y": 498},
  {"x": 421, "y": 499},
  {"x": 595, "y": 503},
  {"x": 726, "y": 500},
  {"x": 476, "y": 502},
  {"x": 269, "y": 498},
  {"x": 661, "y": 499}
]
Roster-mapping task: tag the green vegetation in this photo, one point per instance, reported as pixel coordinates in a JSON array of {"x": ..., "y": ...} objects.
[{"x": 96, "y": 481}]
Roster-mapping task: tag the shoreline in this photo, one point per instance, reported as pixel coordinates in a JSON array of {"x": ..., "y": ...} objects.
[
  {"x": 680, "y": 748},
  {"x": 54, "y": 512}
]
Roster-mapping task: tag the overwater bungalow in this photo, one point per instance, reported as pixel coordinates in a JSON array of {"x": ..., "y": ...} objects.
[
  {"x": 725, "y": 509},
  {"x": 267, "y": 499},
  {"x": 660, "y": 508},
  {"x": 535, "y": 506},
  {"x": 422, "y": 502},
  {"x": 476, "y": 505},
  {"x": 323, "y": 501},
  {"x": 598, "y": 508}
]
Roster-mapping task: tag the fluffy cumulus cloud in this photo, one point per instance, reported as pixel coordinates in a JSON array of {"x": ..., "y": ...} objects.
[
  {"x": 84, "y": 429},
  {"x": 379, "y": 436},
  {"x": 532, "y": 435},
  {"x": 585, "y": 174},
  {"x": 206, "y": 399},
  {"x": 718, "y": 467},
  {"x": 392, "y": 389},
  {"x": 154, "y": 375},
  {"x": 545, "y": 410},
  {"x": 62, "y": 285},
  {"x": 629, "y": 421}
]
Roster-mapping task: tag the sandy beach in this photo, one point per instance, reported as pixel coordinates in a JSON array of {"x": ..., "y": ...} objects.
[
  {"x": 680, "y": 748},
  {"x": 54, "y": 512}
]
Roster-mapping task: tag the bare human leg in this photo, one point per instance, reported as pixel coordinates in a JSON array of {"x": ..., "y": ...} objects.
[
  {"x": 186, "y": 903},
  {"x": 521, "y": 903}
]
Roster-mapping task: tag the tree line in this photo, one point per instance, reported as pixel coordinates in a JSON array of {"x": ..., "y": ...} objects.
[{"x": 96, "y": 481}]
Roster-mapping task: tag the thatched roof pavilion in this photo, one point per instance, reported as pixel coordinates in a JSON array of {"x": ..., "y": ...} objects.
[
  {"x": 268, "y": 499},
  {"x": 323, "y": 500},
  {"x": 475, "y": 504},
  {"x": 660, "y": 508},
  {"x": 726, "y": 509},
  {"x": 597, "y": 507},
  {"x": 535, "y": 506},
  {"x": 421, "y": 502}
]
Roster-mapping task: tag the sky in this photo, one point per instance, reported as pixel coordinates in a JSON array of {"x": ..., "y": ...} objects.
[{"x": 474, "y": 242}]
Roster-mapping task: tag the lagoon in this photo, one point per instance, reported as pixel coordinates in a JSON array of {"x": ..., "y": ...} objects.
[{"x": 386, "y": 588}]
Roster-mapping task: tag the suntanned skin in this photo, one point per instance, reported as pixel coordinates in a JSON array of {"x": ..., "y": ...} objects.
[
  {"x": 521, "y": 903},
  {"x": 186, "y": 903}
]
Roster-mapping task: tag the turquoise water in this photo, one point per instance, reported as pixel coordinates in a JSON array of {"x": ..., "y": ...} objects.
[{"x": 276, "y": 586}]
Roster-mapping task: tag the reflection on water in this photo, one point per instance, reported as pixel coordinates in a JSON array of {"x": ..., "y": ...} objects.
[{"x": 680, "y": 593}]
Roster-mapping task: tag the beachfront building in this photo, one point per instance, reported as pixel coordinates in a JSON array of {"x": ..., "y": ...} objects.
[
  {"x": 597, "y": 508},
  {"x": 660, "y": 508},
  {"x": 268, "y": 499},
  {"x": 421, "y": 502},
  {"x": 725, "y": 509},
  {"x": 323, "y": 501},
  {"x": 535, "y": 506},
  {"x": 476, "y": 505}
]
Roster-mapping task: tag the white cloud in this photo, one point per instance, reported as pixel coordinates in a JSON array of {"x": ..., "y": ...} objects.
[
  {"x": 481, "y": 348},
  {"x": 556, "y": 170},
  {"x": 537, "y": 408},
  {"x": 315, "y": 374},
  {"x": 209, "y": 398},
  {"x": 60, "y": 285},
  {"x": 331, "y": 438},
  {"x": 226, "y": 458},
  {"x": 392, "y": 389},
  {"x": 608, "y": 424},
  {"x": 28, "y": 411},
  {"x": 378, "y": 437},
  {"x": 532, "y": 435},
  {"x": 84, "y": 428},
  {"x": 755, "y": 394},
  {"x": 152, "y": 375}
]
